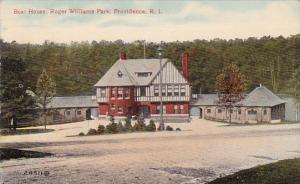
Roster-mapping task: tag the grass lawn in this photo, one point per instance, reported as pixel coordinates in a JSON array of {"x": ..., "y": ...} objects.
[{"x": 281, "y": 172}]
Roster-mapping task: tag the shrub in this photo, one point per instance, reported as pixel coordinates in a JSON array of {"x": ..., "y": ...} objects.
[
  {"x": 128, "y": 127},
  {"x": 169, "y": 128},
  {"x": 101, "y": 129},
  {"x": 112, "y": 128},
  {"x": 92, "y": 131},
  {"x": 178, "y": 129},
  {"x": 121, "y": 128},
  {"x": 112, "y": 119},
  {"x": 81, "y": 134},
  {"x": 139, "y": 126},
  {"x": 151, "y": 127}
]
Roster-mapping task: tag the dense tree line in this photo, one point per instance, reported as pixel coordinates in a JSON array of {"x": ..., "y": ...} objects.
[{"x": 76, "y": 67}]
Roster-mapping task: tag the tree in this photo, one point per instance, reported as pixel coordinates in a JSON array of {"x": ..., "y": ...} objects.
[
  {"x": 46, "y": 89},
  {"x": 230, "y": 87},
  {"x": 296, "y": 84},
  {"x": 17, "y": 105}
]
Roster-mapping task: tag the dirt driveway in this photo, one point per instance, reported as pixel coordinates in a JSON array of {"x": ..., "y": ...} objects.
[{"x": 202, "y": 151}]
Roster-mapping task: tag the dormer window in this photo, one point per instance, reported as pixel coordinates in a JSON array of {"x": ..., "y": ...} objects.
[
  {"x": 120, "y": 74},
  {"x": 143, "y": 74}
]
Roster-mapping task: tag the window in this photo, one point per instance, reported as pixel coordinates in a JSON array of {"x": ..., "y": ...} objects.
[
  {"x": 102, "y": 92},
  {"x": 143, "y": 74},
  {"x": 208, "y": 111},
  {"x": 265, "y": 112},
  {"x": 219, "y": 110},
  {"x": 182, "y": 90},
  {"x": 120, "y": 74},
  {"x": 143, "y": 91},
  {"x": 239, "y": 111},
  {"x": 112, "y": 106},
  {"x": 120, "y": 109},
  {"x": 252, "y": 112},
  {"x": 126, "y": 92},
  {"x": 120, "y": 92},
  {"x": 68, "y": 112},
  {"x": 169, "y": 90},
  {"x": 78, "y": 112},
  {"x": 158, "y": 109},
  {"x": 230, "y": 111},
  {"x": 181, "y": 109},
  {"x": 163, "y": 90},
  {"x": 176, "y": 90},
  {"x": 176, "y": 110},
  {"x": 164, "y": 109},
  {"x": 112, "y": 92},
  {"x": 156, "y": 90}
]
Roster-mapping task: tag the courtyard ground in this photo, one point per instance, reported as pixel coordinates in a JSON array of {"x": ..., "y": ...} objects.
[{"x": 201, "y": 152}]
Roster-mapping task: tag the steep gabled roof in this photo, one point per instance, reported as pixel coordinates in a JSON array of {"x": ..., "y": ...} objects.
[
  {"x": 128, "y": 69},
  {"x": 261, "y": 97},
  {"x": 72, "y": 101}
]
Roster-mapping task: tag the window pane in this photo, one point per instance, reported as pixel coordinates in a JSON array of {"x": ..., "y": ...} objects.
[
  {"x": 120, "y": 92},
  {"x": 143, "y": 91}
]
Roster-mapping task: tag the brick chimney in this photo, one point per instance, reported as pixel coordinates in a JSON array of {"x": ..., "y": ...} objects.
[
  {"x": 122, "y": 55},
  {"x": 185, "y": 65}
]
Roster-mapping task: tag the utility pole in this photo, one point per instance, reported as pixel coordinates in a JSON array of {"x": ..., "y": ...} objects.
[
  {"x": 144, "y": 49},
  {"x": 161, "y": 124}
]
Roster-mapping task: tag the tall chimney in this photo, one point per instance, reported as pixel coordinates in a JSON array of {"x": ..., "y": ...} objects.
[
  {"x": 122, "y": 55},
  {"x": 185, "y": 65}
]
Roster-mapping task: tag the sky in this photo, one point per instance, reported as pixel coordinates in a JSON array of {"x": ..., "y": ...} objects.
[{"x": 178, "y": 20}]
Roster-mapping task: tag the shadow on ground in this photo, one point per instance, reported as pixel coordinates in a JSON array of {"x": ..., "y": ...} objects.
[
  {"x": 9, "y": 153},
  {"x": 25, "y": 131}
]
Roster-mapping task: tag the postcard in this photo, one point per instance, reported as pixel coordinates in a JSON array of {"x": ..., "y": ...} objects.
[{"x": 150, "y": 92}]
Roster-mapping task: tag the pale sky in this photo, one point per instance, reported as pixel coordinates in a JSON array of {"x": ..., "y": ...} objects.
[{"x": 180, "y": 20}]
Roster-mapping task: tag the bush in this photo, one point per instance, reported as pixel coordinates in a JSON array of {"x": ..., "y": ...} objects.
[
  {"x": 101, "y": 129},
  {"x": 151, "y": 127},
  {"x": 112, "y": 128},
  {"x": 178, "y": 129},
  {"x": 92, "y": 131},
  {"x": 169, "y": 128},
  {"x": 128, "y": 127},
  {"x": 121, "y": 128},
  {"x": 81, "y": 134},
  {"x": 140, "y": 125}
]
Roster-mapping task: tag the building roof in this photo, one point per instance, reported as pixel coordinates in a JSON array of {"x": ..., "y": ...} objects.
[
  {"x": 261, "y": 97},
  {"x": 72, "y": 101},
  {"x": 124, "y": 72},
  {"x": 206, "y": 99}
]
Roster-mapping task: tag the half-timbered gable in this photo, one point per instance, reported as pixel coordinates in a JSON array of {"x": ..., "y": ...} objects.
[{"x": 131, "y": 86}]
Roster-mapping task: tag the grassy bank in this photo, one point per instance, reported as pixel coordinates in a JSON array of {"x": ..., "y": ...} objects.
[{"x": 282, "y": 172}]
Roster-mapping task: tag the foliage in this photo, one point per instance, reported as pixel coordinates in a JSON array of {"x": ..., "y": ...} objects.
[
  {"x": 101, "y": 129},
  {"x": 92, "y": 132},
  {"x": 81, "y": 134},
  {"x": 178, "y": 129},
  {"x": 169, "y": 128},
  {"x": 17, "y": 103},
  {"x": 139, "y": 125},
  {"x": 151, "y": 127},
  {"x": 296, "y": 84},
  {"x": 77, "y": 66},
  {"x": 45, "y": 90},
  {"x": 112, "y": 128},
  {"x": 230, "y": 87},
  {"x": 128, "y": 127},
  {"x": 121, "y": 128},
  {"x": 284, "y": 171}
]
